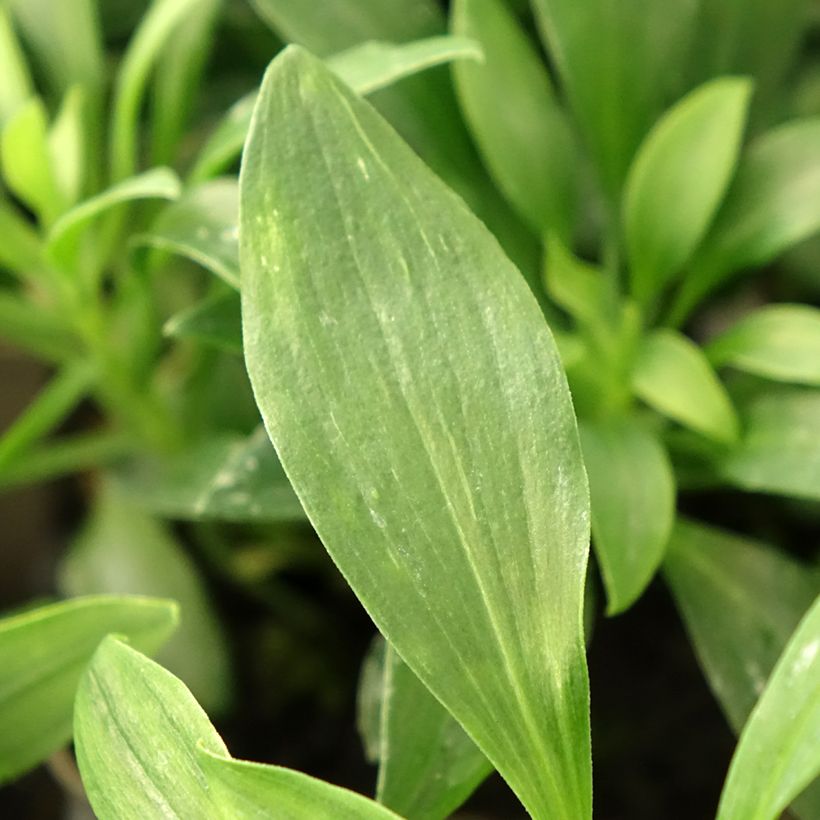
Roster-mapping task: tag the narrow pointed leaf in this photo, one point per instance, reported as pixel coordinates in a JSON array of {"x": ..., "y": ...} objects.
[
  {"x": 215, "y": 322},
  {"x": 202, "y": 225},
  {"x": 780, "y": 449},
  {"x": 16, "y": 87},
  {"x": 678, "y": 180},
  {"x": 779, "y": 750},
  {"x": 632, "y": 496},
  {"x": 251, "y": 791},
  {"x": 780, "y": 342},
  {"x": 66, "y": 143},
  {"x": 123, "y": 550},
  {"x": 136, "y": 730},
  {"x": 673, "y": 376},
  {"x": 42, "y": 656},
  {"x": 441, "y": 467},
  {"x": 519, "y": 126},
  {"x": 771, "y": 206},
  {"x": 740, "y": 601},
  {"x": 578, "y": 287}
]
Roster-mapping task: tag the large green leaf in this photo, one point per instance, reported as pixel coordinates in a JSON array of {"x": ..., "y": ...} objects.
[
  {"x": 740, "y": 601},
  {"x": 780, "y": 342},
  {"x": 779, "y": 750},
  {"x": 42, "y": 656},
  {"x": 780, "y": 449},
  {"x": 632, "y": 494},
  {"x": 678, "y": 180},
  {"x": 428, "y": 765},
  {"x": 439, "y": 461},
  {"x": 146, "y": 749},
  {"x": 771, "y": 206},
  {"x": 673, "y": 376},
  {"x": 228, "y": 478},
  {"x": 619, "y": 62},
  {"x": 123, "y": 550},
  {"x": 519, "y": 126}
]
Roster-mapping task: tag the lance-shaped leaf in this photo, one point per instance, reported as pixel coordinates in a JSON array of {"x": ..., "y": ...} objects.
[
  {"x": 740, "y": 601},
  {"x": 16, "y": 87},
  {"x": 519, "y": 125},
  {"x": 780, "y": 342},
  {"x": 779, "y": 750},
  {"x": 678, "y": 180},
  {"x": 771, "y": 206},
  {"x": 632, "y": 493},
  {"x": 215, "y": 321},
  {"x": 43, "y": 653},
  {"x": 440, "y": 461},
  {"x": 146, "y": 749},
  {"x": 673, "y": 375},
  {"x": 428, "y": 765},
  {"x": 780, "y": 449}
]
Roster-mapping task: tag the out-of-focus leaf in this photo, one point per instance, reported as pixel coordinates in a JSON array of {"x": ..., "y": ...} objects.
[
  {"x": 780, "y": 449},
  {"x": 519, "y": 126},
  {"x": 250, "y": 791},
  {"x": 780, "y": 342},
  {"x": 420, "y": 460},
  {"x": 26, "y": 160},
  {"x": 20, "y": 249},
  {"x": 215, "y": 321},
  {"x": 202, "y": 225},
  {"x": 224, "y": 145},
  {"x": 575, "y": 285},
  {"x": 771, "y": 206},
  {"x": 428, "y": 765},
  {"x": 34, "y": 329},
  {"x": 778, "y": 754},
  {"x": 632, "y": 497},
  {"x": 673, "y": 375},
  {"x": 740, "y": 601},
  {"x": 229, "y": 478},
  {"x": 678, "y": 180},
  {"x": 122, "y": 550},
  {"x": 66, "y": 144},
  {"x": 136, "y": 731},
  {"x": 42, "y": 656},
  {"x": 16, "y": 87},
  {"x": 64, "y": 238},
  {"x": 620, "y": 63}
]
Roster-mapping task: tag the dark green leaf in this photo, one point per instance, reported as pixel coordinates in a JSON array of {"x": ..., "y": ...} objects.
[{"x": 443, "y": 438}]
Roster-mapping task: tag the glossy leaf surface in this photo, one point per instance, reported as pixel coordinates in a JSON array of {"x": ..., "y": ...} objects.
[
  {"x": 443, "y": 454},
  {"x": 43, "y": 653}
]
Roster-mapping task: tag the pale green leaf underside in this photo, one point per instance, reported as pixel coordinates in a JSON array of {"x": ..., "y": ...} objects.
[
  {"x": 780, "y": 342},
  {"x": 778, "y": 754},
  {"x": 43, "y": 653},
  {"x": 438, "y": 459},
  {"x": 632, "y": 493}
]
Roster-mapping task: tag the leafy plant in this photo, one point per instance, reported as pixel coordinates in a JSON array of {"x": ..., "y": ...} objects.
[{"x": 489, "y": 313}]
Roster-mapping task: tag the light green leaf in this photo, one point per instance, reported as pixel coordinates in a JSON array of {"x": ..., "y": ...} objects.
[
  {"x": 673, "y": 376},
  {"x": 428, "y": 765},
  {"x": 66, "y": 145},
  {"x": 780, "y": 449},
  {"x": 16, "y": 87},
  {"x": 420, "y": 467},
  {"x": 632, "y": 495},
  {"x": 64, "y": 238},
  {"x": 26, "y": 161},
  {"x": 136, "y": 730},
  {"x": 229, "y": 478},
  {"x": 771, "y": 206},
  {"x": 20, "y": 249},
  {"x": 123, "y": 550},
  {"x": 202, "y": 225},
  {"x": 519, "y": 126},
  {"x": 60, "y": 396},
  {"x": 780, "y": 342},
  {"x": 678, "y": 180},
  {"x": 578, "y": 287},
  {"x": 215, "y": 321},
  {"x": 779, "y": 750},
  {"x": 254, "y": 791},
  {"x": 740, "y": 601},
  {"x": 619, "y": 63},
  {"x": 42, "y": 656},
  {"x": 34, "y": 329}
]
